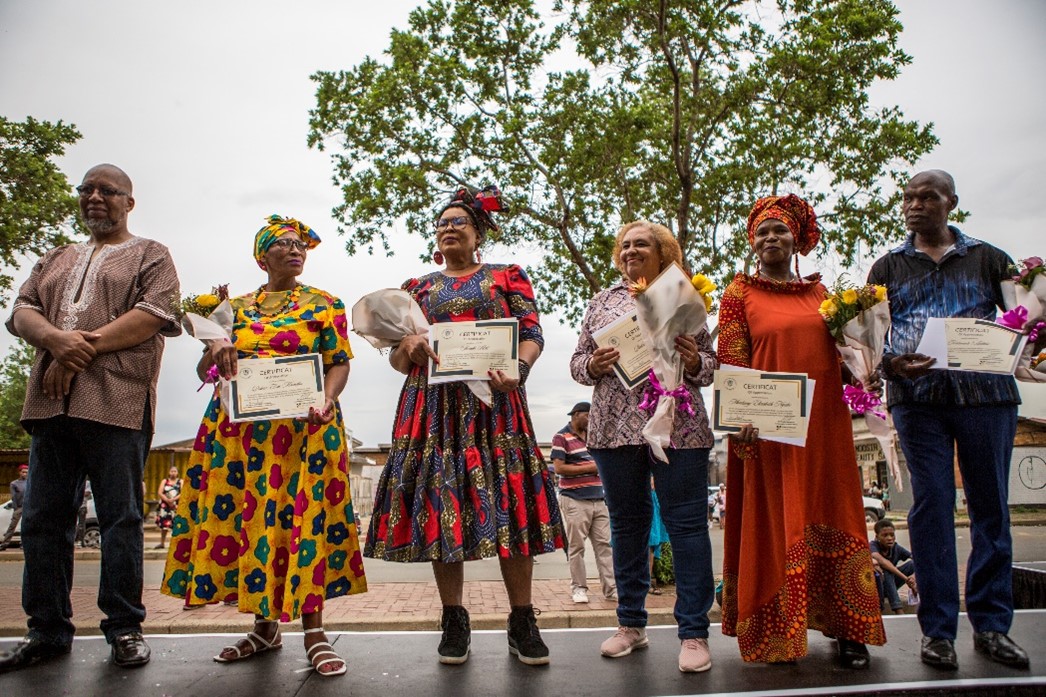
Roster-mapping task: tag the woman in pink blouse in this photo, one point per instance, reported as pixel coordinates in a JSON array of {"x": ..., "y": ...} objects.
[{"x": 643, "y": 250}]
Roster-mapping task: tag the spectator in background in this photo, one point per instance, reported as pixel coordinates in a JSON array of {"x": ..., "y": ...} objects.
[
  {"x": 895, "y": 566},
  {"x": 17, "y": 494},
  {"x": 81, "y": 517},
  {"x": 169, "y": 492},
  {"x": 582, "y": 506}
]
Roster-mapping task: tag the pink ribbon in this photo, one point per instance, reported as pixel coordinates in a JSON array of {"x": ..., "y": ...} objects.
[
  {"x": 210, "y": 378},
  {"x": 861, "y": 400},
  {"x": 1017, "y": 318},
  {"x": 655, "y": 391}
]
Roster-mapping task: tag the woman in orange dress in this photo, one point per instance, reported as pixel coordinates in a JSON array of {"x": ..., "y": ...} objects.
[{"x": 796, "y": 551}]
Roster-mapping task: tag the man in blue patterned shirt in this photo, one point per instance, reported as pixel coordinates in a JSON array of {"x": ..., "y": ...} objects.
[{"x": 940, "y": 272}]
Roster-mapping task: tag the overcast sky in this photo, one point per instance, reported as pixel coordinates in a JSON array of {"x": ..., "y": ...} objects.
[{"x": 205, "y": 105}]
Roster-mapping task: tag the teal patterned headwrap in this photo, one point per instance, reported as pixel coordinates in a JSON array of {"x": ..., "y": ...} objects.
[{"x": 276, "y": 226}]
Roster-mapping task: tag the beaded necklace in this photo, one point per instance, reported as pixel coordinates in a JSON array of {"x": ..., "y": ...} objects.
[{"x": 254, "y": 312}]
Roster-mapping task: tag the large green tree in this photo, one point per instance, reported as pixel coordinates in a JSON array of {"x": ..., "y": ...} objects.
[
  {"x": 679, "y": 111},
  {"x": 14, "y": 375},
  {"x": 37, "y": 209}
]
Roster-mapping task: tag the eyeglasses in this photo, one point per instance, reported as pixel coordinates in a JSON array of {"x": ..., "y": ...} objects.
[
  {"x": 85, "y": 190},
  {"x": 287, "y": 244},
  {"x": 458, "y": 221}
]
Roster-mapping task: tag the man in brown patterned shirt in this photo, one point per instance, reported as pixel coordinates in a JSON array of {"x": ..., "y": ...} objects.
[{"x": 97, "y": 313}]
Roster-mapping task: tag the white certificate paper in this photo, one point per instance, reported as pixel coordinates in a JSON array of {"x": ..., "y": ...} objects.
[
  {"x": 973, "y": 345},
  {"x": 467, "y": 350},
  {"x": 274, "y": 388},
  {"x": 623, "y": 334},
  {"x": 778, "y": 404}
]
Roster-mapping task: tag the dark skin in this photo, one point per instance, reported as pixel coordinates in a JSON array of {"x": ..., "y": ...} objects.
[
  {"x": 72, "y": 351},
  {"x": 928, "y": 199},
  {"x": 459, "y": 245},
  {"x": 283, "y": 263},
  {"x": 774, "y": 245}
]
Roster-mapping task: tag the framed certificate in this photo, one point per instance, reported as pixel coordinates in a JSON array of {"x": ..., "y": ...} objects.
[
  {"x": 778, "y": 404},
  {"x": 623, "y": 334},
  {"x": 274, "y": 388},
  {"x": 975, "y": 345},
  {"x": 467, "y": 350}
]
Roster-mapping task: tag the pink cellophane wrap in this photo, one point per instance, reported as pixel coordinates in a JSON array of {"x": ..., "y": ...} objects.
[
  {"x": 669, "y": 307},
  {"x": 385, "y": 317},
  {"x": 862, "y": 351},
  {"x": 1034, "y": 300}
]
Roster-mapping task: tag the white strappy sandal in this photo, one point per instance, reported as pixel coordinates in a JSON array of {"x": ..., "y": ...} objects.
[
  {"x": 324, "y": 648},
  {"x": 258, "y": 645}
]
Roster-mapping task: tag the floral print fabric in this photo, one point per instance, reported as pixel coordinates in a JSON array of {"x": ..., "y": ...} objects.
[
  {"x": 465, "y": 481},
  {"x": 266, "y": 515}
]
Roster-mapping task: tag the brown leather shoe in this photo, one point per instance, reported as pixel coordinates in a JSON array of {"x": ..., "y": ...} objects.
[{"x": 130, "y": 650}]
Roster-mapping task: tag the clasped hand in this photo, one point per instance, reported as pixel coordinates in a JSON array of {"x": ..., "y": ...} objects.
[{"x": 603, "y": 358}]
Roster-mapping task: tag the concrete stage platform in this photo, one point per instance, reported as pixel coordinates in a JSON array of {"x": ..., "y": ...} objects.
[{"x": 404, "y": 663}]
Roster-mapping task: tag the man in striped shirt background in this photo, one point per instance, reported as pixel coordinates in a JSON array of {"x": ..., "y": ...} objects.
[{"x": 581, "y": 503}]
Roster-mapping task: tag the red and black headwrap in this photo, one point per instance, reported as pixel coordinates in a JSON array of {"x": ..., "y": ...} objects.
[
  {"x": 479, "y": 206},
  {"x": 794, "y": 212}
]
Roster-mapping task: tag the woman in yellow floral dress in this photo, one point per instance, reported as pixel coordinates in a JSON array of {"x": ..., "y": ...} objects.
[{"x": 266, "y": 517}]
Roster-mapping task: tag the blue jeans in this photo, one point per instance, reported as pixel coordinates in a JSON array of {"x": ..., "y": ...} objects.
[
  {"x": 681, "y": 485},
  {"x": 888, "y": 584},
  {"x": 63, "y": 452},
  {"x": 983, "y": 436}
]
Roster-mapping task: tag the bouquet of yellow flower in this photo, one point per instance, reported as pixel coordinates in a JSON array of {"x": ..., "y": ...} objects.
[
  {"x": 859, "y": 318},
  {"x": 204, "y": 303},
  {"x": 207, "y": 316},
  {"x": 704, "y": 288}
]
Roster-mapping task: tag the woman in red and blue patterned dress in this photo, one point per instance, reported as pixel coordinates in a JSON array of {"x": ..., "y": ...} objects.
[{"x": 464, "y": 480}]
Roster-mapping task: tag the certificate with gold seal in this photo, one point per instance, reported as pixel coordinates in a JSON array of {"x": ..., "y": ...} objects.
[
  {"x": 623, "y": 334},
  {"x": 778, "y": 404},
  {"x": 274, "y": 388},
  {"x": 468, "y": 350},
  {"x": 969, "y": 344}
]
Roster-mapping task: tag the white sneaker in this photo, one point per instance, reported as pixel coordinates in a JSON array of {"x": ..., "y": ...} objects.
[{"x": 580, "y": 595}]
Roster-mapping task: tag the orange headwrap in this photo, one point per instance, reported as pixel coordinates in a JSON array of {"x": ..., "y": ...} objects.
[{"x": 793, "y": 212}]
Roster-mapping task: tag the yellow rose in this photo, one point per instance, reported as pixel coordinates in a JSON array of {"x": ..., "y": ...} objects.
[
  {"x": 880, "y": 293},
  {"x": 828, "y": 308},
  {"x": 850, "y": 296},
  {"x": 701, "y": 284},
  {"x": 207, "y": 301}
]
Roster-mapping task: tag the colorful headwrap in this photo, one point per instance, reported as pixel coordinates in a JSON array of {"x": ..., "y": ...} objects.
[
  {"x": 793, "y": 212},
  {"x": 479, "y": 206},
  {"x": 278, "y": 226}
]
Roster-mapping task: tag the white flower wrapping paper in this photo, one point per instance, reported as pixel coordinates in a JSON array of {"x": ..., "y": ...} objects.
[
  {"x": 1034, "y": 300},
  {"x": 215, "y": 326},
  {"x": 385, "y": 317},
  {"x": 862, "y": 351},
  {"x": 669, "y": 307}
]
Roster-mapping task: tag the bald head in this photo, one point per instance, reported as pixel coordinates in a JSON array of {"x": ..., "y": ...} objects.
[
  {"x": 928, "y": 199},
  {"x": 937, "y": 177},
  {"x": 114, "y": 172}
]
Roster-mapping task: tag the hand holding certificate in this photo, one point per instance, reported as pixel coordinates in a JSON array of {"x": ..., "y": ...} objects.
[
  {"x": 274, "y": 388},
  {"x": 470, "y": 350},
  {"x": 625, "y": 336},
  {"x": 968, "y": 344},
  {"x": 778, "y": 404}
]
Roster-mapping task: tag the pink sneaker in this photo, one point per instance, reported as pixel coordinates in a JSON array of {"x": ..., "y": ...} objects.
[
  {"x": 625, "y": 639},
  {"x": 694, "y": 656}
]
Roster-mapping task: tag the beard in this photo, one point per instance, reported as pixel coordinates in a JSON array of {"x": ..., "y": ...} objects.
[{"x": 100, "y": 226}]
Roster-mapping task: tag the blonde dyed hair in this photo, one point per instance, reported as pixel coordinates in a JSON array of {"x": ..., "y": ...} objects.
[{"x": 667, "y": 245}]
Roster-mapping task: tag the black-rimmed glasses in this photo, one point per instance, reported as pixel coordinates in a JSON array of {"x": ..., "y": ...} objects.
[
  {"x": 458, "y": 221},
  {"x": 86, "y": 190}
]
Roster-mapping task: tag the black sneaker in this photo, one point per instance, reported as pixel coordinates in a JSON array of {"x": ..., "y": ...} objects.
[
  {"x": 454, "y": 646},
  {"x": 524, "y": 639}
]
